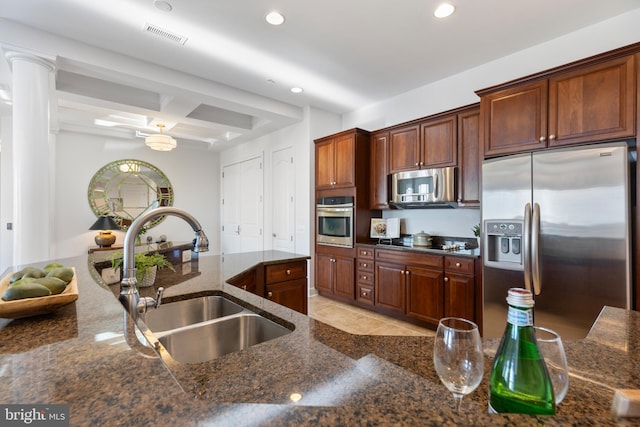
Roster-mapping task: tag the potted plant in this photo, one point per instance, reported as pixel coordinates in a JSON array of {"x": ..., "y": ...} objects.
[
  {"x": 146, "y": 264},
  {"x": 476, "y": 232}
]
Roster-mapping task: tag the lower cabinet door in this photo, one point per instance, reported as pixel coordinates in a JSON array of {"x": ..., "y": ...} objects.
[
  {"x": 344, "y": 277},
  {"x": 459, "y": 296},
  {"x": 425, "y": 294},
  {"x": 291, "y": 294},
  {"x": 390, "y": 287},
  {"x": 324, "y": 273}
]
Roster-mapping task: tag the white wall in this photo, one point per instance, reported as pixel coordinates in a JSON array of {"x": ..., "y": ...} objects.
[
  {"x": 6, "y": 193},
  {"x": 194, "y": 175}
]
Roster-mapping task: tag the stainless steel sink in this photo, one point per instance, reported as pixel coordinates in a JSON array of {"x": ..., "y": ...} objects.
[
  {"x": 177, "y": 314},
  {"x": 206, "y": 341}
]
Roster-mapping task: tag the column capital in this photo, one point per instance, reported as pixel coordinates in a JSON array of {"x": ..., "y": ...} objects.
[{"x": 15, "y": 53}]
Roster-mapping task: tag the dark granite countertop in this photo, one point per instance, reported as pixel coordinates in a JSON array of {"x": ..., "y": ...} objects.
[{"x": 79, "y": 356}]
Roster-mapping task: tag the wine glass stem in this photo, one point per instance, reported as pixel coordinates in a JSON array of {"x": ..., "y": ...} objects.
[{"x": 457, "y": 402}]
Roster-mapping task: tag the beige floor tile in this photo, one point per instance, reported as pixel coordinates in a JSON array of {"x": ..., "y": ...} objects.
[{"x": 356, "y": 320}]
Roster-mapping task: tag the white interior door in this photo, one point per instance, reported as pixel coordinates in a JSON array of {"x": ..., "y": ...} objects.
[
  {"x": 283, "y": 207},
  {"x": 252, "y": 210},
  {"x": 242, "y": 207}
]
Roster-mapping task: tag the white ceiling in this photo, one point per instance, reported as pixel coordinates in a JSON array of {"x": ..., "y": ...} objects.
[{"x": 230, "y": 81}]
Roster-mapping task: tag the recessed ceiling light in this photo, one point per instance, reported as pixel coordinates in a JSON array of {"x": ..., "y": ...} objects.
[
  {"x": 444, "y": 10},
  {"x": 275, "y": 18},
  {"x": 297, "y": 90},
  {"x": 164, "y": 6}
]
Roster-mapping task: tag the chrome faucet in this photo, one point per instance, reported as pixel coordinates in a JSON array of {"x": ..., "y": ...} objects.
[{"x": 129, "y": 296}]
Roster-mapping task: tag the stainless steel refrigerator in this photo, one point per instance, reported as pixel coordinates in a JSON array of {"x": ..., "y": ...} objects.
[{"x": 557, "y": 222}]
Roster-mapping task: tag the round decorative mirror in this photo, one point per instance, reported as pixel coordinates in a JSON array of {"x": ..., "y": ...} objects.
[{"x": 124, "y": 189}]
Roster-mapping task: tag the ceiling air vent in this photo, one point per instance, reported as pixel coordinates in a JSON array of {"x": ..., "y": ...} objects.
[{"x": 166, "y": 34}]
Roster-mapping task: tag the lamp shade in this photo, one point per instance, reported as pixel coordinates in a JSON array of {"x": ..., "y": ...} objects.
[{"x": 105, "y": 222}]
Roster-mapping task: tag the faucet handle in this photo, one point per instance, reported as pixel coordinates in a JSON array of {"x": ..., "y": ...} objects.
[{"x": 159, "y": 297}]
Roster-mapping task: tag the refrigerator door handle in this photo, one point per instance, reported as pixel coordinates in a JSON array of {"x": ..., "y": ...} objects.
[
  {"x": 535, "y": 249},
  {"x": 526, "y": 246}
]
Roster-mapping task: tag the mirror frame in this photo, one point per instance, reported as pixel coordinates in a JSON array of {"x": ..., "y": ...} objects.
[{"x": 108, "y": 182}]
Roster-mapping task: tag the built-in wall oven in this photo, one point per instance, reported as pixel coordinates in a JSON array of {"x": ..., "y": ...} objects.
[{"x": 335, "y": 221}]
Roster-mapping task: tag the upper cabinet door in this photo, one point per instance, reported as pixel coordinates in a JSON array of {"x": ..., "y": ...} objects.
[
  {"x": 515, "y": 119},
  {"x": 378, "y": 183},
  {"x": 439, "y": 143},
  {"x": 324, "y": 164},
  {"x": 404, "y": 149},
  {"x": 593, "y": 103},
  {"x": 344, "y": 161}
]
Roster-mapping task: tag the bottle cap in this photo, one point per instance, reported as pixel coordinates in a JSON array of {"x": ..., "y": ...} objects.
[{"x": 520, "y": 297}]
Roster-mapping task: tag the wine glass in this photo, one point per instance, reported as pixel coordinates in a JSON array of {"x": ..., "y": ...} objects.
[
  {"x": 550, "y": 345},
  {"x": 457, "y": 356}
]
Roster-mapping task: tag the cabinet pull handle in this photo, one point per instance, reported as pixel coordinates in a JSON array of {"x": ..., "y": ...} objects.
[
  {"x": 401, "y": 271},
  {"x": 269, "y": 294},
  {"x": 542, "y": 139},
  {"x": 288, "y": 272},
  {"x": 458, "y": 264},
  {"x": 446, "y": 279},
  {"x": 552, "y": 137}
]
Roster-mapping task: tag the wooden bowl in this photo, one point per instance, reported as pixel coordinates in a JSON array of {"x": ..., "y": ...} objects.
[{"x": 39, "y": 305}]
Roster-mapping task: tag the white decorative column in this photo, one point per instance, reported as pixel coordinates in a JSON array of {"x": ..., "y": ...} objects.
[{"x": 31, "y": 171}]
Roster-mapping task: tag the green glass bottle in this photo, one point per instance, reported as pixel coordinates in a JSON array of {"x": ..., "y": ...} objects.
[{"x": 519, "y": 381}]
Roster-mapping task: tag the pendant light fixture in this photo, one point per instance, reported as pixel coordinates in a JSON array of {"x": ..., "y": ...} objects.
[{"x": 160, "y": 141}]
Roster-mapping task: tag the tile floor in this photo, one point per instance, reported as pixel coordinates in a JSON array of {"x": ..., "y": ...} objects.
[{"x": 356, "y": 320}]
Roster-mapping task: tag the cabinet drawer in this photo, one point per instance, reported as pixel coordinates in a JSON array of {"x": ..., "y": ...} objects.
[
  {"x": 282, "y": 272},
  {"x": 365, "y": 265},
  {"x": 365, "y": 277},
  {"x": 459, "y": 265},
  {"x": 365, "y": 253},
  {"x": 364, "y": 293},
  {"x": 409, "y": 258}
]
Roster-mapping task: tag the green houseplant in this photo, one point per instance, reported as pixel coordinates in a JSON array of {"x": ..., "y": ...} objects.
[{"x": 145, "y": 263}]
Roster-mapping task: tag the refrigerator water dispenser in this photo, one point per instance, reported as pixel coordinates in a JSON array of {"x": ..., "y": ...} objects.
[{"x": 504, "y": 244}]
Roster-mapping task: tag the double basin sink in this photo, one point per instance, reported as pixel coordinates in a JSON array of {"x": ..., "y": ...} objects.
[{"x": 204, "y": 328}]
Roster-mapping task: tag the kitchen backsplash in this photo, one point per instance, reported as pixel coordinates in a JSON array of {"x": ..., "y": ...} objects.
[{"x": 437, "y": 222}]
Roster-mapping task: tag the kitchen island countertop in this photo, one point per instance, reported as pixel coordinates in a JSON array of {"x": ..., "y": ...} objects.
[{"x": 317, "y": 375}]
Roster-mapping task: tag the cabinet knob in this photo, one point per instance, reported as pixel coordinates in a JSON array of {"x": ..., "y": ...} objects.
[
  {"x": 552, "y": 137},
  {"x": 401, "y": 271},
  {"x": 458, "y": 264},
  {"x": 364, "y": 265},
  {"x": 244, "y": 287},
  {"x": 364, "y": 277},
  {"x": 417, "y": 164},
  {"x": 446, "y": 279},
  {"x": 365, "y": 293},
  {"x": 288, "y": 272},
  {"x": 542, "y": 139},
  {"x": 365, "y": 253},
  {"x": 269, "y": 294}
]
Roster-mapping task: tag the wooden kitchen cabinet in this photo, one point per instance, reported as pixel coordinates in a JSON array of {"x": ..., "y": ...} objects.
[
  {"x": 404, "y": 148},
  {"x": 426, "y": 144},
  {"x": 283, "y": 283},
  {"x": 335, "y": 276},
  {"x": 459, "y": 287},
  {"x": 410, "y": 284},
  {"x": 365, "y": 273},
  {"x": 338, "y": 158},
  {"x": 579, "y": 104},
  {"x": 469, "y": 157},
  {"x": 438, "y": 145},
  {"x": 379, "y": 181}
]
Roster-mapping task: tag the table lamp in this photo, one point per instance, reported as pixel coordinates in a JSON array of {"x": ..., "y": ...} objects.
[{"x": 105, "y": 224}]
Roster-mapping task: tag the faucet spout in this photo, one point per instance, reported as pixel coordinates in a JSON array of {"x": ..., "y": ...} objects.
[{"x": 129, "y": 296}]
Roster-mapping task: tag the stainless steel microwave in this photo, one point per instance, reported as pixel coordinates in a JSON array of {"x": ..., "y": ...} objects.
[
  {"x": 334, "y": 217},
  {"x": 425, "y": 188}
]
